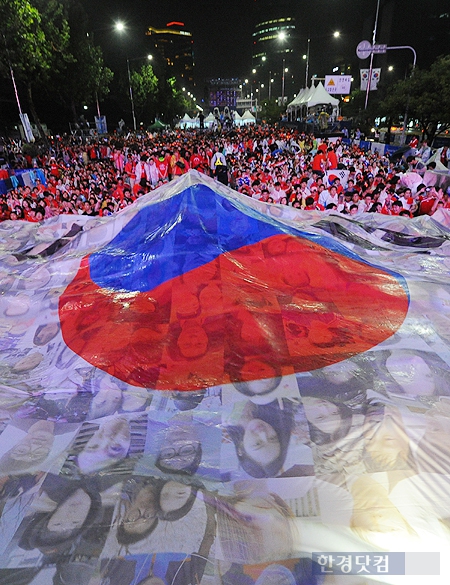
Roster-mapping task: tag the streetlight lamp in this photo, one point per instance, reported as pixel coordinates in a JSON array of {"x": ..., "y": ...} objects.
[{"x": 283, "y": 36}]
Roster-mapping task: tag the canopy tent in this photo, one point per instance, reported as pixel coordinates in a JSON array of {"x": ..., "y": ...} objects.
[
  {"x": 237, "y": 118},
  {"x": 310, "y": 97},
  {"x": 210, "y": 387},
  {"x": 298, "y": 100},
  {"x": 157, "y": 125},
  {"x": 247, "y": 118},
  {"x": 188, "y": 122},
  {"x": 209, "y": 120},
  {"x": 319, "y": 96}
]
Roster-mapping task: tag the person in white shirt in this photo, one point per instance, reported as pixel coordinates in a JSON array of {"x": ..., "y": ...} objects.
[
  {"x": 277, "y": 192},
  {"x": 218, "y": 159},
  {"x": 329, "y": 196},
  {"x": 424, "y": 151},
  {"x": 141, "y": 170}
]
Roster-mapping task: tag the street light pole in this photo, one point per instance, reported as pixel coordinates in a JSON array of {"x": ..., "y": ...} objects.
[
  {"x": 131, "y": 95},
  {"x": 307, "y": 64},
  {"x": 405, "y": 118},
  {"x": 149, "y": 57},
  {"x": 371, "y": 55},
  {"x": 282, "y": 83}
]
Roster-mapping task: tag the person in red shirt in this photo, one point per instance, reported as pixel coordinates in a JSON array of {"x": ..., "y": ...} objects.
[
  {"x": 196, "y": 160},
  {"x": 414, "y": 142},
  {"x": 427, "y": 203},
  {"x": 55, "y": 168},
  {"x": 332, "y": 161},
  {"x": 163, "y": 168},
  {"x": 310, "y": 204},
  {"x": 130, "y": 170},
  {"x": 117, "y": 194},
  {"x": 319, "y": 162}
]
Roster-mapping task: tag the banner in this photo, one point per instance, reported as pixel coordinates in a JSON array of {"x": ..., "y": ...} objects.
[
  {"x": 376, "y": 72},
  {"x": 100, "y": 123},
  {"x": 28, "y": 132},
  {"x": 208, "y": 389},
  {"x": 338, "y": 84}
]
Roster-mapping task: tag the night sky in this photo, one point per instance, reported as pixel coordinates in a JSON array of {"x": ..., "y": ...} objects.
[
  {"x": 222, "y": 33},
  {"x": 222, "y": 30}
]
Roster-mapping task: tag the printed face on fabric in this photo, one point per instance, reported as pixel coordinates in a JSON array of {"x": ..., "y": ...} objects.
[
  {"x": 195, "y": 342},
  {"x": 201, "y": 390}
]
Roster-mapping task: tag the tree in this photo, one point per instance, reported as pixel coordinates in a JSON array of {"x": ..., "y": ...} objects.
[
  {"x": 84, "y": 78},
  {"x": 144, "y": 84},
  {"x": 19, "y": 28},
  {"x": 425, "y": 96},
  {"x": 271, "y": 111},
  {"x": 35, "y": 40},
  {"x": 172, "y": 101}
]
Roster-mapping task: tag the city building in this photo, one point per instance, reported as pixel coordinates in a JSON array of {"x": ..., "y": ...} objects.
[
  {"x": 223, "y": 92},
  {"x": 274, "y": 50},
  {"x": 175, "y": 46}
]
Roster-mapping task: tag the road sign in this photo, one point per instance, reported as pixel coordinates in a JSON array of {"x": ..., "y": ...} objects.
[
  {"x": 364, "y": 49},
  {"x": 378, "y": 49},
  {"x": 339, "y": 84}
]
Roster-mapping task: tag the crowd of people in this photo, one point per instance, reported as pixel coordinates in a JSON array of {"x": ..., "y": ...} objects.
[{"x": 275, "y": 165}]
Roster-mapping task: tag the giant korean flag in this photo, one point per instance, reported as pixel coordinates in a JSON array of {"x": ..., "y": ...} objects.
[{"x": 210, "y": 390}]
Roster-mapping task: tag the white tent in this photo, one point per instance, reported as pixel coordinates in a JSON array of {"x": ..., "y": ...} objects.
[
  {"x": 310, "y": 97},
  {"x": 298, "y": 100},
  {"x": 209, "y": 120},
  {"x": 319, "y": 95},
  {"x": 188, "y": 122},
  {"x": 237, "y": 118},
  {"x": 248, "y": 118}
]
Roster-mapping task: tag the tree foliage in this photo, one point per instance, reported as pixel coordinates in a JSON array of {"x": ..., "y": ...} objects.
[
  {"x": 35, "y": 41},
  {"x": 425, "y": 96},
  {"x": 45, "y": 43},
  {"x": 22, "y": 35},
  {"x": 85, "y": 77},
  {"x": 271, "y": 112},
  {"x": 144, "y": 84}
]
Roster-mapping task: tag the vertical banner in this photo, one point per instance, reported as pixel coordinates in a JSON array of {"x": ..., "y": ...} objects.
[
  {"x": 29, "y": 136},
  {"x": 374, "y": 80},
  {"x": 100, "y": 122}
]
